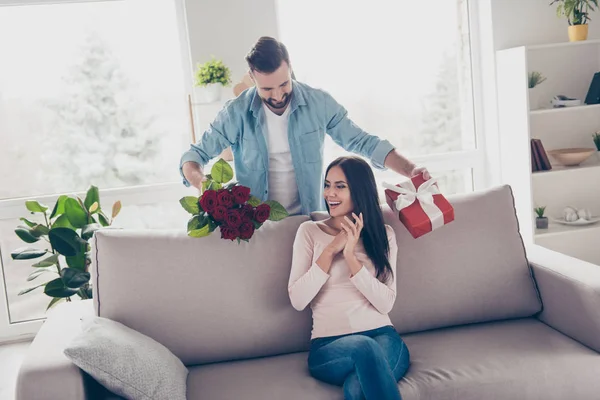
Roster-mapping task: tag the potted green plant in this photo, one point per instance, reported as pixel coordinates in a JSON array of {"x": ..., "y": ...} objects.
[
  {"x": 64, "y": 235},
  {"x": 577, "y": 14},
  {"x": 535, "y": 78},
  {"x": 210, "y": 79},
  {"x": 541, "y": 221}
]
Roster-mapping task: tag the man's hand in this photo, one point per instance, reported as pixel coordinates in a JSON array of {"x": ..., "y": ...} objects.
[
  {"x": 194, "y": 175},
  {"x": 417, "y": 170}
]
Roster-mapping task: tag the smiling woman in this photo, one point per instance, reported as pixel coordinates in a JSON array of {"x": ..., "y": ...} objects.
[{"x": 90, "y": 94}]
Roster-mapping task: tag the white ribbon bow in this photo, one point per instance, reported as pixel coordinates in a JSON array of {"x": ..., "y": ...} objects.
[{"x": 409, "y": 194}]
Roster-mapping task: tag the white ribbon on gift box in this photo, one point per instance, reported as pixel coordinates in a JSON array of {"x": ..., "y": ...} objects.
[{"x": 409, "y": 194}]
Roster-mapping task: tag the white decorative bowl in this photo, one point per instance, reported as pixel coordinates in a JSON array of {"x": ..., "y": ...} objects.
[{"x": 572, "y": 156}]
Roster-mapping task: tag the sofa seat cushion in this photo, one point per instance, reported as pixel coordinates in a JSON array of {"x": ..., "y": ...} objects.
[
  {"x": 278, "y": 377},
  {"x": 504, "y": 360}
]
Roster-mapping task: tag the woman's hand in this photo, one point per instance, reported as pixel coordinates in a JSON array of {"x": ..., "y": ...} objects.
[
  {"x": 338, "y": 244},
  {"x": 353, "y": 230}
]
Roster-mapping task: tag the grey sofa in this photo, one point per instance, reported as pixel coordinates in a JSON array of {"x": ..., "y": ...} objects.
[{"x": 484, "y": 316}]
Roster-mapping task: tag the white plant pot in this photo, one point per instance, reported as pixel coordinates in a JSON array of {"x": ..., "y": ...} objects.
[{"x": 208, "y": 94}]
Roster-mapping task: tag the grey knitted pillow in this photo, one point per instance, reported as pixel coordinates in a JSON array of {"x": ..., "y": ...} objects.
[{"x": 127, "y": 362}]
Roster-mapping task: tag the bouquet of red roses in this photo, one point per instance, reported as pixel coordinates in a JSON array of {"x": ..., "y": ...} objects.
[{"x": 231, "y": 207}]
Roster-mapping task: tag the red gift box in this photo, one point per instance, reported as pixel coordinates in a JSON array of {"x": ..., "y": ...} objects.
[{"x": 421, "y": 207}]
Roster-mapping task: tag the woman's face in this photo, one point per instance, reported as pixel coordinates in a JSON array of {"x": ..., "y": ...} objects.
[{"x": 337, "y": 193}]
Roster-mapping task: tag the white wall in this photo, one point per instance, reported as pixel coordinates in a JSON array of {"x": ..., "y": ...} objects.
[
  {"x": 227, "y": 29},
  {"x": 530, "y": 22}
]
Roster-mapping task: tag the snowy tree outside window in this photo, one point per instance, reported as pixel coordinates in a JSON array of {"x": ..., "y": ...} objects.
[{"x": 97, "y": 99}]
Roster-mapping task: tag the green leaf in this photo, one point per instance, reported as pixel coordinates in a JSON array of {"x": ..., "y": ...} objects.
[
  {"x": 221, "y": 172},
  {"x": 256, "y": 224},
  {"x": 40, "y": 230},
  {"x": 63, "y": 222},
  {"x": 278, "y": 212},
  {"x": 78, "y": 261},
  {"x": 211, "y": 225},
  {"x": 28, "y": 222},
  {"x": 92, "y": 196},
  {"x": 210, "y": 184},
  {"x": 194, "y": 223},
  {"x": 102, "y": 219},
  {"x": 47, "y": 262},
  {"x": 88, "y": 231},
  {"x": 34, "y": 206},
  {"x": 57, "y": 288},
  {"x": 37, "y": 273},
  {"x": 74, "y": 278},
  {"x": 54, "y": 301},
  {"x": 59, "y": 207},
  {"x": 66, "y": 241},
  {"x": 254, "y": 201},
  {"x": 202, "y": 232},
  {"x": 116, "y": 209},
  {"x": 27, "y": 253},
  {"x": 22, "y": 292},
  {"x": 76, "y": 214},
  {"x": 190, "y": 204},
  {"x": 25, "y": 235}
]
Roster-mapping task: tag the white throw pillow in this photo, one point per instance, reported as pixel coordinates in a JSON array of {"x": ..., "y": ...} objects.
[{"x": 128, "y": 363}]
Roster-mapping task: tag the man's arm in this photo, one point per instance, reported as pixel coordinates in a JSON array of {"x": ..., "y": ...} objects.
[
  {"x": 400, "y": 164},
  {"x": 222, "y": 133}
]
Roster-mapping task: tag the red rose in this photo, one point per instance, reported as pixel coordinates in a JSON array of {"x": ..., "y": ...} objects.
[
  {"x": 263, "y": 211},
  {"x": 247, "y": 212},
  {"x": 241, "y": 194},
  {"x": 229, "y": 233},
  {"x": 208, "y": 201},
  {"x": 224, "y": 198},
  {"x": 219, "y": 213},
  {"x": 246, "y": 230},
  {"x": 233, "y": 219}
]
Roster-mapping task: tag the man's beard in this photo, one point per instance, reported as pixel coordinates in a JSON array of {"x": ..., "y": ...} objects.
[{"x": 278, "y": 106}]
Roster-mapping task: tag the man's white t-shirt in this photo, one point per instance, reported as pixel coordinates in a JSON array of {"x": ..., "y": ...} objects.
[{"x": 282, "y": 177}]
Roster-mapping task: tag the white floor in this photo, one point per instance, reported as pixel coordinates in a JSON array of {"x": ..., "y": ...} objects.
[{"x": 11, "y": 356}]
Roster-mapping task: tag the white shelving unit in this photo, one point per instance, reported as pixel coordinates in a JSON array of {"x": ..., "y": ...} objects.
[{"x": 569, "y": 69}]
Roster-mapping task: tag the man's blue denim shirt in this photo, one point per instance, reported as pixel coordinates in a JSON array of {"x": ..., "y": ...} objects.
[{"x": 313, "y": 113}]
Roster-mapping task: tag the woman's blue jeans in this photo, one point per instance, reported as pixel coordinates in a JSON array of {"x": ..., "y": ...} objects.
[{"x": 367, "y": 364}]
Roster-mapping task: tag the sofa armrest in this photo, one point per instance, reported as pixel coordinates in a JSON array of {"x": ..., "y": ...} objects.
[
  {"x": 570, "y": 291},
  {"x": 46, "y": 373}
]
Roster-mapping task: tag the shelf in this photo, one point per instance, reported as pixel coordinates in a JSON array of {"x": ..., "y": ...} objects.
[
  {"x": 592, "y": 162},
  {"x": 564, "y": 44},
  {"x": 565, "y": 109},
  {"x": 559, "y": 229}
]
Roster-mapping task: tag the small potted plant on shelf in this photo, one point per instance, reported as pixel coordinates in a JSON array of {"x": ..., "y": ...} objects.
[
  {"x": 210, "y": 78},
  {"x": 577, "y": 14},
  {"x": 535, "y": 78},
  {"x": 541, "y": 222}
]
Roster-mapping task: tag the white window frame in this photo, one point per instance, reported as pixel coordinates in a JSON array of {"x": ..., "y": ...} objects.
[{"x": 133, "y": 195}]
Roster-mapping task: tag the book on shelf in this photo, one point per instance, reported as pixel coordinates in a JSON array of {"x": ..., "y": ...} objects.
[{"x": 539, "y": 157}]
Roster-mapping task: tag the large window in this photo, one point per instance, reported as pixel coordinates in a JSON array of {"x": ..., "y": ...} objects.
[
  {"x": 91, "y": 93},
  {"x": 402, "y": 69}
]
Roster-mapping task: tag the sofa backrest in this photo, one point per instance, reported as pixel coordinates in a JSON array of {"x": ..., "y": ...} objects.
[
  {"x": 205, "y": 299},
  {"x": 211, "y": 300}
]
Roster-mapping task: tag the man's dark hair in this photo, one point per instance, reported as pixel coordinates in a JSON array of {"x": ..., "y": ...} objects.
[{"x": 267, "y": 55}]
